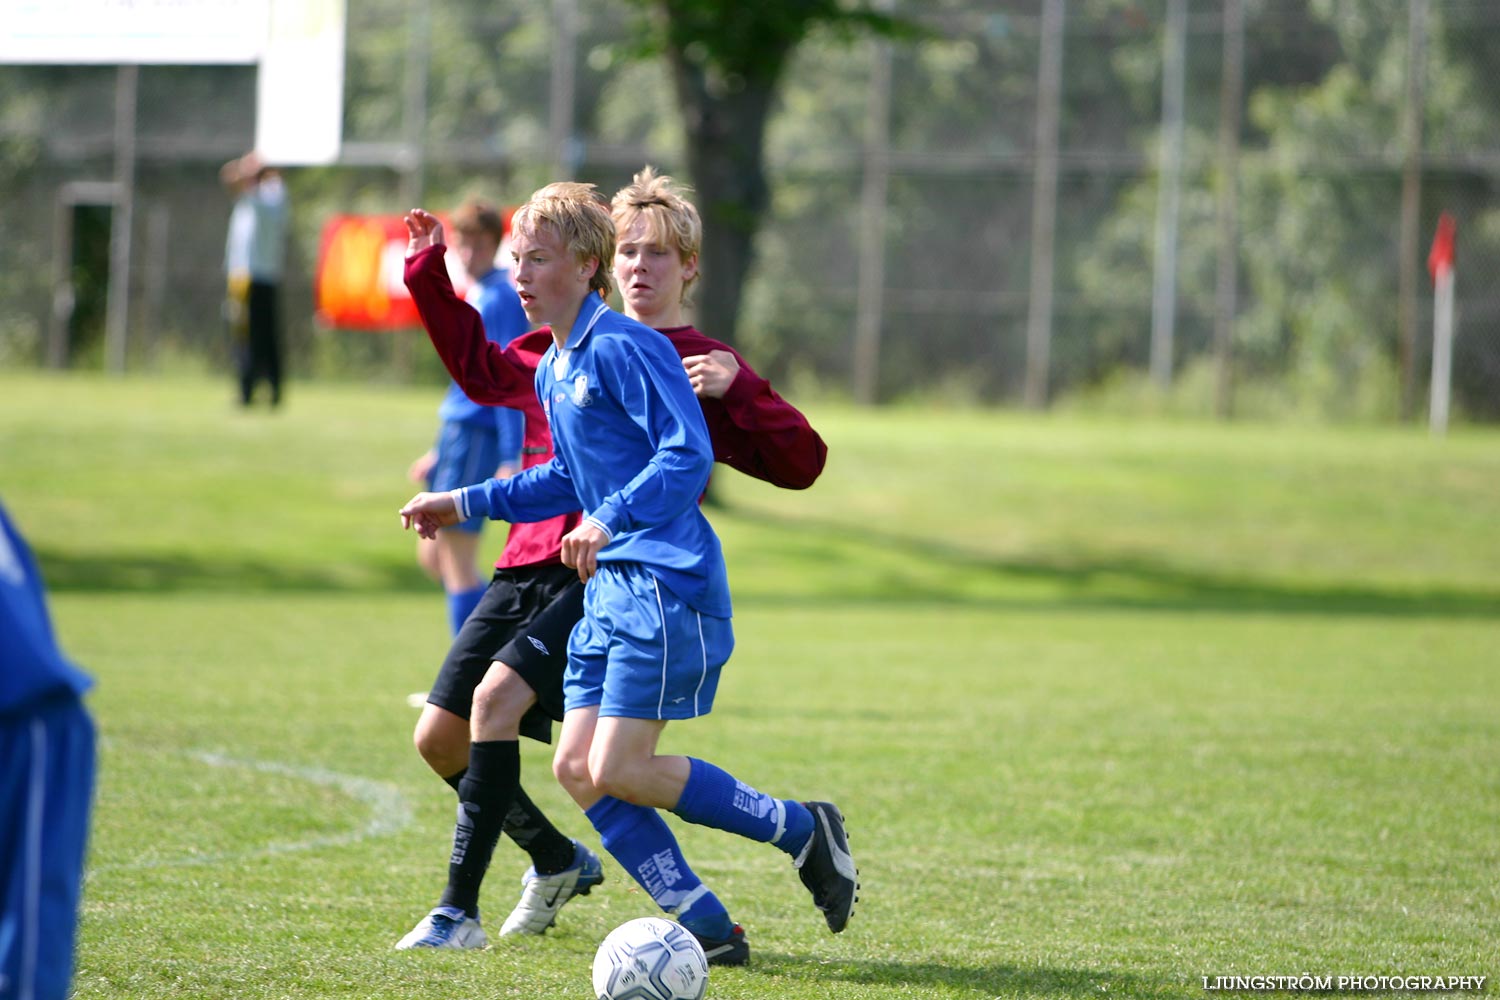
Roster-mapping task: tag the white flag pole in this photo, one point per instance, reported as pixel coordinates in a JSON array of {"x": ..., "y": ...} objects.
[{"x": 1442, "y": 351}]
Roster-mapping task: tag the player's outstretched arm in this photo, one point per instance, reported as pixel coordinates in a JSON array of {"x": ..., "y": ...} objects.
[
  {"x": 754, "y": 430},
  {"x": 486, "y": 372},
  {"x": 536, "y": 494},
  {"x": 428, "y": 512}
]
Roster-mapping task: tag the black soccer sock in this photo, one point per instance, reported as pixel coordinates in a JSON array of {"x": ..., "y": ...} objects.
[
  {"x": 484, "y": 797},
  {"x": 455, "y": 779},
  {"x": 534, "y": 833}
]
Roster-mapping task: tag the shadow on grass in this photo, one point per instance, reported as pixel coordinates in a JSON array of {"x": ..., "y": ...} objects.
[
  {"x": 914, "y": 571},
  {"x": 829, "y": 564},
  {"x": 153, "y": 572},
  {"x": 981, "y": 981}
]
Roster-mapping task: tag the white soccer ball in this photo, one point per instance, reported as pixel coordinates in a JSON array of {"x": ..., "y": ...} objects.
[{"x": 650, "y": 959}]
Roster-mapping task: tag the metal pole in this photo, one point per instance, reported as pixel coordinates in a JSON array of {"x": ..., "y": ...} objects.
[
  {"x": 414, "y": 155},
  {"x": 1227, "y": 288},
  {"x": 563, "y": 89},
  {"x": 64, "y": 297},
  {"x": 870, "y": 301},
  {"x": 1044, "y": 206},
  {"x": 117, "y": 303},
  {"x": 1164, "y": 278},
  {"x": 1411, "y": 201},
  {"x": 414, "y": 112}
]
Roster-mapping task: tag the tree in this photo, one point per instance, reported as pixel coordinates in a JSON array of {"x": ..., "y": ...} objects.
[
  {"x": 1316, "y": 331},
  {"x": 727, "y": 59}
]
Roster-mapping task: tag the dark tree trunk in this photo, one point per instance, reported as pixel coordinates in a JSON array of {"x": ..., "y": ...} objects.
[{"x": 726, "y": 163}]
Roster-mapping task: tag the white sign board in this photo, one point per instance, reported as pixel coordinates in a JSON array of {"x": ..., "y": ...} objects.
[
  {"x": 180, "y": 32},
  {"x": 298, "y": 45},
  {"x": 299, "y": 117}
]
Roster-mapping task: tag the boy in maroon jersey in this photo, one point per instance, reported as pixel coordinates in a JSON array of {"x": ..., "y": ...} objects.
[{"x": 484, "y": 698}]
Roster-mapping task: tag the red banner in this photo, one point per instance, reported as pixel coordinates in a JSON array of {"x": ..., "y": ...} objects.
[{"x": 359, "y": 278}]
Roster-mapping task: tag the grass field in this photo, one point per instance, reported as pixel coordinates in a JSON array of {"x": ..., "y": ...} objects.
[{"x": 1110, "y": 707}]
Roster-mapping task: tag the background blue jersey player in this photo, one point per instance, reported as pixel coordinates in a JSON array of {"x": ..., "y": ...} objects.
[
  {"x": 632, "y": 450},
  {"x": 474, "y": 441},
  {"x": 46, "y": 784}
]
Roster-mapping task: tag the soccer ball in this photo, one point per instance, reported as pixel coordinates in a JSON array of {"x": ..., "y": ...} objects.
[{"x": 650, "y": 959}]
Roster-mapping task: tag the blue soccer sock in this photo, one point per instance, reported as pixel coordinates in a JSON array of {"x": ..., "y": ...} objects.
[
  {"x": 713, "y": 797},
  {"x": 460, "y": 603},
  {"x": 640, "y": 840}
]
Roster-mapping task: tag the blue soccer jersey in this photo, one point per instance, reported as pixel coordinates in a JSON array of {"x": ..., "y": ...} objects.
[
  {"x": 500, "y": 310},
  {"x": 46, "y": 784},
  {"x": 32, "y": 667},
  {"x": 631, "y": 449}
]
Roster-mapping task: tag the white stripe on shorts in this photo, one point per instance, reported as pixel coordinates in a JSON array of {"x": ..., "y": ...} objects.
[
  {"x": 661, "y": 697},
  {"x": 702, "y": 648},
  {"x": 31, "y": 914}
]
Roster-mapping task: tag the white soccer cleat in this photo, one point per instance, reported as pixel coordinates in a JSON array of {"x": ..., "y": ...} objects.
[
  {"x": 543, "y": 895},
  {"x": 445, "y": 927}
]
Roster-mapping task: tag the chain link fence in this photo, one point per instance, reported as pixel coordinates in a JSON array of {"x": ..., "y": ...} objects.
[{"x": 1020, "y": 207}]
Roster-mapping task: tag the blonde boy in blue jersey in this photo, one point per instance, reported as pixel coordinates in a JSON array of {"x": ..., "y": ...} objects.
[{"x": 633, "y": 451}]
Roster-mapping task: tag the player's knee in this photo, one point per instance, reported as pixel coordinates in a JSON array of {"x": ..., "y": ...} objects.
[
  {"x": 443, "y": 754},
  {"x": 620, "y": 779},
  {"x": 500, "y": 701},
  {"x": 572, "y": 772}
]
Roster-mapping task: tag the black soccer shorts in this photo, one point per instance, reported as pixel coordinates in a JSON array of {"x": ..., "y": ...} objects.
[{"x": 523, "y": 620}]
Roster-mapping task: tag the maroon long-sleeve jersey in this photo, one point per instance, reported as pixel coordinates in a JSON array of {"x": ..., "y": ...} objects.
[{"x": 753, "y": 429}]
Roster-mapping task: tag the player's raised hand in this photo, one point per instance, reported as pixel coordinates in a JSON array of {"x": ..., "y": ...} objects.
[
  {"x": 427, "y": 512},
  {"x": 423, "y": 230},
  {"x": 711, "y": 373},
  {"x": 580, "y": 549}
]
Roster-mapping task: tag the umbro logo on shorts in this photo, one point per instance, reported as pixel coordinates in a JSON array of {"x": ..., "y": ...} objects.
[{"x": 539, "y": 644}]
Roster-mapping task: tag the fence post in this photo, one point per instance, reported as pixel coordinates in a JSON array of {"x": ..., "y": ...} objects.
[
  {"x": 1168, "y": 193},
  {"x": 1044, "y": 206},
  {"x": 1227, "y": 287},
  {"x": 117, "y": 302},
  {"x": 1411, "y": 201},
  {"x": 869, "y": 306},
  {"x": 563, "y": 88}
]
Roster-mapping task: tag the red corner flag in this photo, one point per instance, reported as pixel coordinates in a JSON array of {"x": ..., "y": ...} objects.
[{"x": 1440, "y": 260}]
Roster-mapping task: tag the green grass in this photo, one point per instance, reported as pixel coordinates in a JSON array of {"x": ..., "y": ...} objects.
[{"x": 1111, "y": 707}]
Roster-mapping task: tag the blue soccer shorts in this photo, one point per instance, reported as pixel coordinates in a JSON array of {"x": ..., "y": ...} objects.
[
  {"x": 640, "y": 652},
  {"x": 466, "y": 454},
  {"x": 46, "y": 790}
]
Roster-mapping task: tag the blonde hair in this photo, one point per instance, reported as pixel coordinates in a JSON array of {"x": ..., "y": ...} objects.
[
  {"x": 577, "y": 213},
  {"x": 671, "y": 219}
]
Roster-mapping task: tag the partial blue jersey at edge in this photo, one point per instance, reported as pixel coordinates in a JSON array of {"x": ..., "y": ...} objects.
[
  {"x": 500, "y": 310},
  {"x": 32, "y": 667},
  {"x": 631, "y": 449}
]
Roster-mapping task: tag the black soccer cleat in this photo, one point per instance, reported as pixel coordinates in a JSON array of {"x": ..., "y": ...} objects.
[
  {"x": 827, "y": 868},
  {"x": 733, "y": 950}
]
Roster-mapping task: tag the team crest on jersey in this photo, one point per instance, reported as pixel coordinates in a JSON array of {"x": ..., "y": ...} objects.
[{"x": 581, "y": 394}]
